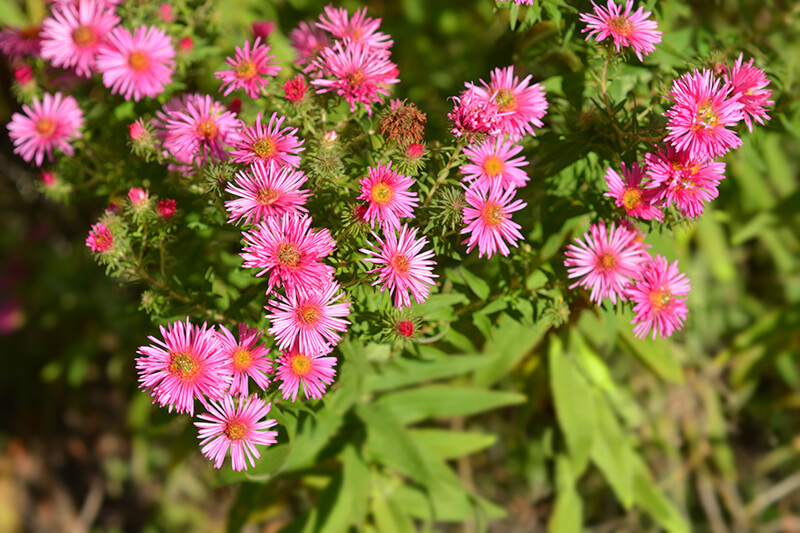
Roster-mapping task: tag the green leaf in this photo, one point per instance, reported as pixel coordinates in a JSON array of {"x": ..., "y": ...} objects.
[
  {"x": 653, "y": 501},
  {"x": 271, "y": 461},
  {"x": 612, "y": 451},
  {"x": 511, "y": 341},
  {"x": 388, "y": 514},
  {"x": 447, "y": 444},
  {"x": 567, "y": 516},
  {"x": 656, "y": 355},
  {"x": 476, "y": 284},
  {"x": 401, "y": 372},
  {"x": 351, "y": 495},
  {"x": 441, "y": 401}
]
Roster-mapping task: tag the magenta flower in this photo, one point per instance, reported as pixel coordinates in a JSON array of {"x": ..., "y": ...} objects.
[
  {"x": 360, "y": 29},
  {"x": 250, "y": 68},
  {"x": 314, "y": 372},
  {"x": 487, "y": 216},
  {"x": 630, "y": 194},
  {"x": 137, "y": 195},
  {"x": 266, "y": 191},
  {"x": 356, "y": 72},
  {"x": 187, "y": 364},
  {"x": 21, "y": 42},
  {"x": 750, "y": 82},
  {"x": 604, "y": 261},
  {"x": 166, "y": 208},
  {"x": 295, "y": 89},
  {"x": 520, "y": 105},
  {"x": 263, "y": 29},
  {"x": 309, "y": 41},
  {"x": 309, "y": 320},
  {"x": 236, "y": 428},
  {"x": 268, "y": 143},
  {"x": 625, "y": 28},
  {"x": 290, "y": 251},
  {"x": 491, "y": 161},
  {"x": 474, "y": 113},
  {"x": 247, "y": 358},
  {"x": 50, "y": 123},
  {"x": 678, "y": 179},
  {"x": 405, "y": 267},
  {"x": 75, "y": 33},
  {"x": 200, "y": 131},
  {"x": 701, "y": 112},
  {"x": 137, "y": 65},
  {"x": 658, "y": 296},
  {"x": 387, "y": 193},
  {"x": 100, "y": 238}
]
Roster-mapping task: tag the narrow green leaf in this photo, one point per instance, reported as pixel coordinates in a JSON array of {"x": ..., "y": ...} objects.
[
  {"x": 567, "y": 516},
  {"x": 447, "y": 444},
  {"x": 401, "y": 372},
  {"x": 511, "y": 341},
  {"x": 612, "y": 451},
  {"x": 476, "y": 284},
  {"x": 653, "y": 501}
]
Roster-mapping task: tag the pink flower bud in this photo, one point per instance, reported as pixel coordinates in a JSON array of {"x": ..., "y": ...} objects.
[
  {"x": 235, "y": 106},
  {"x": 137, "y": 130},
  {"x": 405, "y": 328},
  {"x": 48, "y": 178},
  {"x": 263, "y": 28},
  {"x": 165, "y": 11},
  {"x": 23, "y": 74},
  {"x": 185, "y": 45},
  {"x": 166, "y": 208},
  {"x": 295, "y": 88},
  {"x": 415, "y": 150},
  {"x": 137, "y": 195}
]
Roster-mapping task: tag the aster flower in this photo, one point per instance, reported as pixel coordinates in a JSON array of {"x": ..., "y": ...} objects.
[
  {"x": 604, "y": 261},
  {"x": 630, "y": 194},
  {"x": 236, "y": 427},
  {"x": 250, "y": 68},
  {"x": 295, "y": 89},
  {"x": 678, "y": 179},
  {"x": 309, "y": 41},
  {"x": 750, "y": 83},
  {"x": 201, "y": 130},
  {"x": 491, "y": 161},
  {"x": 187, "y": 364},
  {"x": 50, "y": 123},
  {"x": 356, "y": 72},
  {"x": 74, "y": 34},
  {"x": 387, "y": 193},
  {"x": 264, "y": 191},
  {"x": 658, "y": 296},
  {"x": 263, "y": 29},
  {"x": 520, "y": 105},
  {"x": 166, "y": 208},
  {"x": 247, "y": 358},
  {"x": 701, "y": 112},
  {"x": 268, "y": 143},
  {"x": 627, "y": 29},
  {"x": 290, "y": 251},
  {"x": 137, "y": 195},
  {"x": 311, "y": 321},
  {"x": 487, "y": 216},
  {"x": 100, "y": 238},
  {"x": 405, "y": 267},
  {"x": 313, "y": 372},
  {"x": 137, "y": 65},
  {"x": 360, "y": 29},
  {"x": 21, "y": 42},
  {"x": 474, "y": 113}
]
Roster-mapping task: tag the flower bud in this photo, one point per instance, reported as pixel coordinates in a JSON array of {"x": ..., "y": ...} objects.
[
  {"x": 166, "y": 208},
  {"x": 138, "y": 195},
  {"x": 263, "y": 29}
]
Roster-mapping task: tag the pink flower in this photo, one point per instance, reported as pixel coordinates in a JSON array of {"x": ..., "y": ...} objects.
[
  {"x": 678, "y": 179},
  {"x": 165, "y": 13},
  {"x": 265, "y": 191},
  {"x": 100, "y": 238},
  {"x": 630, "y": 194},
  {"x": 356, "y": 72},
  {"x": 48, "y": 178},
  {"x": 137, "y": 65},
  {"x": 658, "y": 296},
  {"x": 750, "y": 83},
  {"x": 21, "y": 42},
  {"x": 309, "y": 41},
  {"x": 247, "y": 359},
  {"x": 406, "y": 328},
  {"x": 137, "y": 195},
  {"x": 604, "y": 261},
  {"x": 388, "y": 196},
  {"x": 360, "y": 29},
  {"x": 625, "y": 28},
  {"x": 166, "y": 208},
  {"x": 23, "y": 75},
  {"x": 200, "y": 130},
  {"x": 488, "y": 218},
  {"x": 263, "y": 29},
  {"x": 405, "y": 266},
  {"x": 520, "y": 106},
  {"x": 250, "y": 68},
  {"x": 520, "y": 2},
  {"x": 185, "y": 45},
  {"x": 415, "y": 151},
  {"x": 473, "y": 113},
  {"x": 238, "y": 428},
  {"x": 491, "y": 161},
  {"x": 290, "y": 251},
  {"x": 700, "y": 114},
  {"x": 313, "y": 372},
  {"x": 75, "y": 33},
  {"x": 268, "y": 143},
  {"x": 52, "y": 123},
  {"x": 137, "y": 130},
  {"x": 309, "y": 320},
  {"x": 295, "y": 89},
  {"x": 187, "y": 364}
]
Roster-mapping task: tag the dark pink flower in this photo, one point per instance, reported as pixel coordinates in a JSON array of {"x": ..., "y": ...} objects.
[
  {"x": 487, "y": 216},
  {"x": 21, "y": 42},
  {"x": 386, "y": 192},
  {"x": 262, "y": 29},
  {"x": 200, "y": 131},
  {"x": 295, "y": 89},
  {"x": 137, "y": 195},
  {"x": 265, "y": 191},
  {"x": 247, "y": 358},
  {"x": 268, "y": 143},
  {"x": 100, "y": 238},
  {"x": 296, "y": 369},
  {"x": 750, "y": 82},
  {"x": 474, "y": 113},
  {"x": 493, "y": 161},
  {"x": 358, "y": 29},
  {"x": 251, "y": 67},
  {"x": 659, "y": 298},
  {"x": 631, "y": 194},
  {"x": 520, "y": 104},
  {"x": 309, "y": 41},
  {"x": 50, "y": 123},
  {"x": 627, "y": 29},
  {"x": 166, "y": 208}
]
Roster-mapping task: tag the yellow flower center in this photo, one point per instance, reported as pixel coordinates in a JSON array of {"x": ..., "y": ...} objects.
[
  {"x": 235, "y": 430},
  {"x": 246, "y": 69},
  {"x": 138, "y": 61},
  {"x": 208, "y": 129},
  {"x": 289, "y": 254},
  {"x": 632, "y": 198},
  {"x": 308, "y": 314},
  {"x": 506, "y": 101},
  {"x": 400, "y": 263},
  {"x": 84, "y": 36},
  {"x": 492, "y": 214},
  {"x": 300, "y": 364},
  {"x": 242, "y": 359},
  {"x": 493, "y": 166},
  {"x": 356, "y": 77},
  {"x": 706, "y": 117},
  {"x": 606, "y": 261},
  {"x": 46, "y": 127},
  {"x": 622, "y": 26},
  {"x": 381, "y": 193},
  {"x": 267, "y": 196},
  {"x": 265, "y": 147},
  {"x": 183, "y": 365},
  {"x": 659, "y": 299}
]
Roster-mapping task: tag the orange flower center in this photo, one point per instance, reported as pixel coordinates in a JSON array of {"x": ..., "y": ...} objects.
[
  {"x": 606, "y": 261},
  {"x": 381, "y": 193},
  {"x": 289, "y": 254},
  {"x": 706, "y": 117},
  {"x": 208, "y": 129},
  {"x": 265, "y": 147},
  {"x": 506, "y": 101},
  {"x": 622, "y": 26},
  {"x": 400, "y": 263},
  {"x": 300, "y": 364},
  {"x": 632, "y": 198},
  {"x": 308, "y": 314},
  {"x": 493, "y": 165},
  {"x": 84, "y": 36},
  {"x": 267, "y": 196},
  {"x": 46, "y": 127},
  {"x": 246, "y": 69},
  {"x": 242, "y": 359},
  {"x": 492, "y": 214},
  {"x": 235, "y": 430},
  {"x": 356, "y": 77},
  {"x": 183, "y": 365},
  {"x": 659, "y": 299},
  {"x": 138, "y": 61}
]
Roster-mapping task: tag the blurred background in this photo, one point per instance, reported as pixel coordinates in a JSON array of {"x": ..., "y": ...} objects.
[{"x": 715, "y": 410}]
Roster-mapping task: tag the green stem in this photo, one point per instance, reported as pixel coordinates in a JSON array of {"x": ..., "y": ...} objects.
[{"x": 444, "y": 172}]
